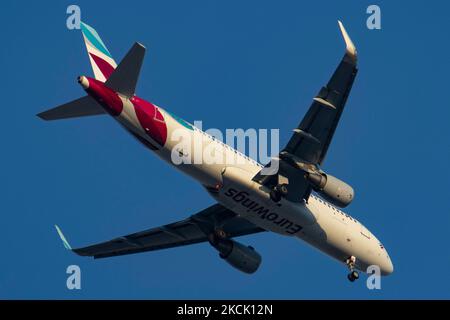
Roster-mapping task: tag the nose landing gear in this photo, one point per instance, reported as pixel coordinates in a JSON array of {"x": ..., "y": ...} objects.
[{"x": 353, "y": 275}]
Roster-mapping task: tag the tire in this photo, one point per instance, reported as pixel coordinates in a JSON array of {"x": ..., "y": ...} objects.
[
  {"x": 282, "y": 189},
  {"x": 220, "y": 234},
  {"x": 352, "y": 276}
]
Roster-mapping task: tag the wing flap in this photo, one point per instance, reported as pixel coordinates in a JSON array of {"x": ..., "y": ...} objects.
[{"x": 149, "y": 240}]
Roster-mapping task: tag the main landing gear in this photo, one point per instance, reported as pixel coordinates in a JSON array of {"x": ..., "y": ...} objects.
[
  {"x": 353, "y": 275},
  {"x": 280, "y": 190}
]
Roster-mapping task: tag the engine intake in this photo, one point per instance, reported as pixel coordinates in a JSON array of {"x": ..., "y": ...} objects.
[
  {"x": 239, "y": 256},
  {"x": 332, "y": 189}
]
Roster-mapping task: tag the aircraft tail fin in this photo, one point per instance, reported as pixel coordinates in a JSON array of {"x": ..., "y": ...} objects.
[
  {"x": 102, "y": 62},
  {"x": 82, "y": 107},
  {"x": 125, "y": 76}
]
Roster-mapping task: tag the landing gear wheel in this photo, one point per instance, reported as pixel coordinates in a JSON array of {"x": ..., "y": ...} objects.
[
  {"x": 220, "y": 233},
  {"x": 275, "y": 195},
  {"x": 282, "y": 189},
  {"x": 351, "y": 262},
  {"x": 352, "y": 276}
]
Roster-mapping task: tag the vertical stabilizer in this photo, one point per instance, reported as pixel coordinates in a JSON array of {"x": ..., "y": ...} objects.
[{"x": 102, "y": 62}]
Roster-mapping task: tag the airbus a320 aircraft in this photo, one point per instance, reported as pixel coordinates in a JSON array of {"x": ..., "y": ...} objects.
[{"x": 248, "y": 201}]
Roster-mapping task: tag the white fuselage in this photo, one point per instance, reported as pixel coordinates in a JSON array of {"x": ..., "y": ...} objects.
[{"x": 316, "y": 221}]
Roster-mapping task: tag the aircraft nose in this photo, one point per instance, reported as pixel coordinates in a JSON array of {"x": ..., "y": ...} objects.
[{"x": 387, "y": 267}]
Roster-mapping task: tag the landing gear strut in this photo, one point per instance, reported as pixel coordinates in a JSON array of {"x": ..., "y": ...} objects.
[
  {"x": 353, "y": 275},
  {"x": 275, "y": 195},
  {"x": 281, "y": 190}
]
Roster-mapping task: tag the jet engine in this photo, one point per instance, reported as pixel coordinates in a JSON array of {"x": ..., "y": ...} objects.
[
  {"x": 331, "y": 188},
  {"x": 239, "y": 256}
]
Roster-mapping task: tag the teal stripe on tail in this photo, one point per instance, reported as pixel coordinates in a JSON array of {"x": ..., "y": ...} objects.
[{"x": 101, "y": 59}]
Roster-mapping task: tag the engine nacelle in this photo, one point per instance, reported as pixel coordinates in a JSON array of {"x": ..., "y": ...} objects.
[
  {"x": 239, "y": 256},
  {"x": 332, "y": 189}
]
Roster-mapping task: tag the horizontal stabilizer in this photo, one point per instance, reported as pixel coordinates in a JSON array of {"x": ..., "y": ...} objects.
[
  {"x": 82, "y": 107},
  {"x": 126, "y": 75}
]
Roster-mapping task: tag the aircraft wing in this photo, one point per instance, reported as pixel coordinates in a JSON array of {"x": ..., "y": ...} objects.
[
  {"x": 309, "y": 143},
  {"x": 313, "y": 135},
  {"x": 194, "y": 229}
]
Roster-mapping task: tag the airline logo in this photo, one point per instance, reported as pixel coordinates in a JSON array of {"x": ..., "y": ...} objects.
[
  {"x": 150, "y": 119},
  {"x": 102, "y": 62},
  {"x": 263, "y": 212}
]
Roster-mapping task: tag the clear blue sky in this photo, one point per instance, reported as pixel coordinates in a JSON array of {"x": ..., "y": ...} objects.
[{"x": 232, "y": 64}]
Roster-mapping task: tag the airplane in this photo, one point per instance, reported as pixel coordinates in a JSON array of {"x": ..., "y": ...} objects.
[{"x": 298, "y": 200}]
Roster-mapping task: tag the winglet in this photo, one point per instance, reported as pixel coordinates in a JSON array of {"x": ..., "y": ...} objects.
[
  {"x": 350, "y": 47},
  {"x": 63, "y": 239}
]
